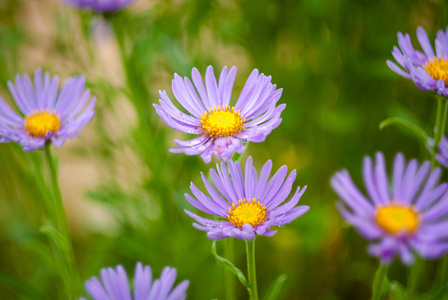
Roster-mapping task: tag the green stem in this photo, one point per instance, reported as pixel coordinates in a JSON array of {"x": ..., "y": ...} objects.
[
  {"x": 251, "y": 272},
  {"x": 378, "y": 281},
  {"x": 229, "y": 278},
  {"x": 60, "y": 242},
  {"x": 59, "y": 216},
  {"x": 442, "y": 105}
]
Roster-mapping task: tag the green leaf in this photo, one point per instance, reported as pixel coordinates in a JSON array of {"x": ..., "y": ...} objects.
[
  {"x": 25, "y": 289},
  {"x": 231, "y": 267},
  {"x": 276, "y": 287},
  {"x": 397, "y": 291},
  {"x": 440, "y": 294},
  {"x": 56, "y": 237},
  {"x": 410, "y": 126}
]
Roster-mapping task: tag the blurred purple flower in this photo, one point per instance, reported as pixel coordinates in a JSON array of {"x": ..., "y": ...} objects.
[
  {"x": 100, "y": 5},
  {"x": 114, "y": 285},
  {"x": 429, "y": 71},
  {"x": 412, "y": 217},
  {"x": 442, "y": 158},
  {"x": 222, "y": 128},
  {"x": 249, "y": 204},
  {"x": 49, "y": 116}
]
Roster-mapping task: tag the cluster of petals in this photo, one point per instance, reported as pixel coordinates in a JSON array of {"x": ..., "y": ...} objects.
[
  {"x": 413, "y": 62},
  {"x": 256, "y": 105},
  {"x": 100, "y": 5},
  {"x": 71, "y": 105},
  {"x": 114, "y": 285},
  {"x": 230, "y": 186},
  {"x": 414, "y": 187},
  {"x": 442, "y": 156}
]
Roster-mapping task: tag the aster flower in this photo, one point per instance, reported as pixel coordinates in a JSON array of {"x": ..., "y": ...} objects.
[
  {"x": 48, "y": 115},
  {"x": 410, "y": 216},
  {"x": 248, "y": 205},
  {"x": 100, "y": 5},
  {"x": 114, "y": 285},
  {"x": 222, "y": 128},
  {"x": 429, "y": 71}
]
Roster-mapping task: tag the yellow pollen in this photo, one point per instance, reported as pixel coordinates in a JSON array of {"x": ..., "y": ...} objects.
[
  {"x": 222, "y": 121},
  {"x": 437, "y": 68},
  {"x": 38, "y": 123},
  {"x": 395, "y": 219},
  {"x": 248, "y": 211}
]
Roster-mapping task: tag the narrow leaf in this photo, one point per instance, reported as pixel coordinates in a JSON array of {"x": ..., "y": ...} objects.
[
  {"x": 416, "y": 130},
  {"x": 397, "y": 291},
  {"x": 231, "y": 267},
  {"x": 276, "y": 287}
]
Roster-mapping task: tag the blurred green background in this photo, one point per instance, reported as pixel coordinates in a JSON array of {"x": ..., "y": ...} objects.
[{"x": 123, "y": 190}]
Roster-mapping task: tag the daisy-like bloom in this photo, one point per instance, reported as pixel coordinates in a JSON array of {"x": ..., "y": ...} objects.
[
  {"x": 47, "y": 114},
  {"x": 427, "y": 69},
  {"x": 442, "y": 158},
  {"x": 114, "y": 285},
  {"x": 409, "y": 216},
  {"x": 100, "y": 6},
  {"x": 222, "y": 128},
  {"x": 248, "y": 205}
]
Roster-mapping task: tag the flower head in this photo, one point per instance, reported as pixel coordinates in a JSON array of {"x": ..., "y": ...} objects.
[
  {"x": 114, "y": 285},
  {"x": 248, "y": 205},
  {"x": 409, "y": 216},
  {"x": 427, "y": 69},
  {"x": 100, "y": 5},
  {"x": 48, "y": 115},
  {"x": 222, "y": 128}
]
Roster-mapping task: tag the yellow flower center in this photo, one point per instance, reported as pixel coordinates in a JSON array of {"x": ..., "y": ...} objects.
[
  {"x": 395, "y": 219},
  {"x": 38, "y": 123},
  {"x": 437, "y": 68},
  {"x": 222, "y": 121},
  {"x": 248, "y": 211}
]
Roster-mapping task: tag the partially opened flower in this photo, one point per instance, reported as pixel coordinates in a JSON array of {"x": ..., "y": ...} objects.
[
  {"x": 47, "y": 114},
  {"x": 100, "y": 5},
  {"x": 442, "y": 157},
  {"x": 409, "y": 216},
  {"x": 222, "y": 128},
  {"x": 114, "y": 285},
  {"x": 247, "y": 205},
  {"x": 427, "y": 69}
]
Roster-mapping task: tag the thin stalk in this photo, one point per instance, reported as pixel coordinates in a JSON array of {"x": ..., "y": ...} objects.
[
  {"x": 442, "y": 105},
  {"x": 60, "y": 243},
  {"x": 251, "y": 271},
  {"x": 378, "y": 281},
  {"x": 59, "y": 217},
  {"x": 229, "y": 278}
]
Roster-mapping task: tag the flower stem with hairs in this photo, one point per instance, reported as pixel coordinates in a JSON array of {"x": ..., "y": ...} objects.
[{"x": 251, "y": 271}]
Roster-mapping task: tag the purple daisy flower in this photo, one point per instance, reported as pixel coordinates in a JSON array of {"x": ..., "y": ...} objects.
[
  {"x": 48, "y": 116},
  {"x": 249, "y": 205},
  {"x": 429, "y": 71},
  {"x": 114, "y": 285},
  {"x": 100, "y": 5},
  {"x": 442, "y": 158},
  {"x": 409, "y": 216},
  {"x": 222, "y": 128}
]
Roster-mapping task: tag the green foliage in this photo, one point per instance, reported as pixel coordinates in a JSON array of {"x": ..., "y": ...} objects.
[{"x": 124, "y": 190}]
